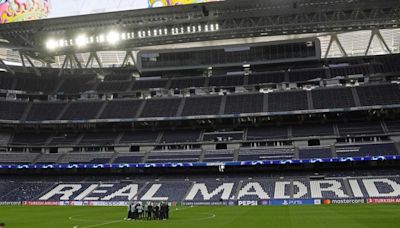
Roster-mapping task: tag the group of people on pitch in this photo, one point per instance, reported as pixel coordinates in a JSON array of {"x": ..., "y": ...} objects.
[{"x": 150, "y": 211}]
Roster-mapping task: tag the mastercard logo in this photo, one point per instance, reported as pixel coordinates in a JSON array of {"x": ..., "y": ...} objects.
[{"x": 327, "y": 201}]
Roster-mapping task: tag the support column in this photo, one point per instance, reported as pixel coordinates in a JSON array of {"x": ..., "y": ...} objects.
[
  {"x": 384, "y": 45},
  {"x": 334, "y": 38}
]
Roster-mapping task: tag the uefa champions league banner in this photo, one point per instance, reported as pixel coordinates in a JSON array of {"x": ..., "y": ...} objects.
[
  {"x": 27, "y": 10},
  {"x": 197, "y": 164}
]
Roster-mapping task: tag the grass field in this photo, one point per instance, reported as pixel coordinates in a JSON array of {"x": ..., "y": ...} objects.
[{"x": 334, "y": 216}]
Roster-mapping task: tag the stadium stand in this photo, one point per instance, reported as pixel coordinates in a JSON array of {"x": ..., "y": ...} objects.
[{"x": 252, "y": 119}]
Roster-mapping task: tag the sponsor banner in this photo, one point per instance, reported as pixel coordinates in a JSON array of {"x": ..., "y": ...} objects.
[
  {"x": 77, "y": 203},
  {"x": 264, "y": 202},
  {"x": 383, "y": 200},
  {"x": 40, "y": 203},
  {"x": 294, "y": 202},
  {"x": 6, "y": 203},
  {"x": 110, "y": 203},
  {"x": 248, "y": 203},
  {"x": 208, "y": 203},
  {"x": 196, "y": 164},
  {"x": 343, "y": 201}
]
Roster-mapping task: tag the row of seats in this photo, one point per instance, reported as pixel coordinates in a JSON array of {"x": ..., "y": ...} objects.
[
  {"x": 49, "y": 83},
  {"x": 327, "y": 98},
  {"x": 349, "y": 129},
  {"x": 244, "y": 154}
]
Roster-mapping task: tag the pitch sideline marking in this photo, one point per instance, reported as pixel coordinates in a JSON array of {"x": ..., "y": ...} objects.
[{"x": 102, "y": 224}]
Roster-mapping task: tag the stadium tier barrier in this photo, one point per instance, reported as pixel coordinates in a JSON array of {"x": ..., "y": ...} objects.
[{"x": 13, "y": 165}]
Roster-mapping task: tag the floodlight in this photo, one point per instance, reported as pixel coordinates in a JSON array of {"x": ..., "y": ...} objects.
[
  {"x": 61, "y": 43},
  {"x": 113, "y": 37},
  {"x": 100, "y": 38},
  {"x": 81, "y": 40},
  {"x": 51, "y": 44}
]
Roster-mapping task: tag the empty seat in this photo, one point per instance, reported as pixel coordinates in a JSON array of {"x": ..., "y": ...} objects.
[
  {"x": 265, "y": 78},
  {"x": 366, "y": 150},
  {"x": 64, "y": 139},
  {"x": 349, "y": 70},
  {"x": 33, "y": 83},
  {"x": 10, "y": 110},
  {"x": 121, "y": 109},
  {"x": 31, "y": 139},
  {"x": 222, "y": 136},
  {"x": 306, "y": 74},
  {"x": 139, "y": 137},
  {"x": 181, "y": 83},
  {"x": 230, "y": 80},
  {"x": 196, "y": 106},
  {"x": 99, "y": 138},
  {"x": 251, "y": 103},
  {"x": 332, "y": 98},
  {"x": 113, "y": 86},
  {"x": 315, "y": 152},
  {"x": 287, "y": 101},
  {"x": 6, "y": 81},
  {"x": 76, "y": 85},
  {"x": 180, "y": 136},
  {"x": 266, "y": 154},
  {"x": 82, "y": 110},
  {"x": 360, "y": 128},
  {"x": 379, "y": 94},
  {"x": 308, "y": 130},
  {"x": 129, "y": 158},
  {"x": 272, "y": 132},
  {"x": 45, "y": 111},
  {"x": 17, "y": 158},
  {"x": 149, "y": 84},
  {"x": 166, "y": 107}
]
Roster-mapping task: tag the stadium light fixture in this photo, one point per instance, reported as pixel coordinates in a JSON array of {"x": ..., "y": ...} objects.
[
  {"x": 81, "y": 41},
  {"x": 61, "y": 43},
  {"x": 113, "y": 37},
  {"x": 100, "y": 38},
  {"x": 51, "y": 44}
]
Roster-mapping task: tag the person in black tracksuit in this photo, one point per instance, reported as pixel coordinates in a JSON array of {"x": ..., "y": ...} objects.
[
  {"x": 166, "y": 211},
  {"x": 130, "y": 211},
  {"x": 157, "y": 212},
  {"x": 149, "y": 211},
  {"x": 162, "y": 211}
]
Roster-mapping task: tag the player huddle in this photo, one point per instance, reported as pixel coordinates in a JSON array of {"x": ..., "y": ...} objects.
[{"x": 148, "y": 211}]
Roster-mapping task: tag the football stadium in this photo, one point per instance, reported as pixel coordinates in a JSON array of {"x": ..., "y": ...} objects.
[{"x": 199, "y": 113}]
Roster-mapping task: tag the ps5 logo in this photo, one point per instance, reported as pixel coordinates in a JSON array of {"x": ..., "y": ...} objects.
[
  {"x": 177, "y": 165},
  {"x": 348, "y": 159},
  {"x": 150, "y": 165},
  {"x": 316, "y": 160},
  {"x": 47, "y": 166},
  {"x": 124, "y": 166},
  {"x": 257, "y": 163},
  {"x": 378, "y": 158},
  {"x": 287, "y": 162}
]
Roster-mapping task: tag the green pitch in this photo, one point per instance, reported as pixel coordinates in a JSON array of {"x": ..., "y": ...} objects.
[{"x": 331, "y": 216}]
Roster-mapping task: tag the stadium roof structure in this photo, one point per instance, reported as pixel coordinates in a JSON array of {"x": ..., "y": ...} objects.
[{"x": 127, "y": 30}]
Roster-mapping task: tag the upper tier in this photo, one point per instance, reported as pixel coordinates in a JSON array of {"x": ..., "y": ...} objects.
[
  {"x": 122, "y": 82},
  {"x": 320, "y": 100}
]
